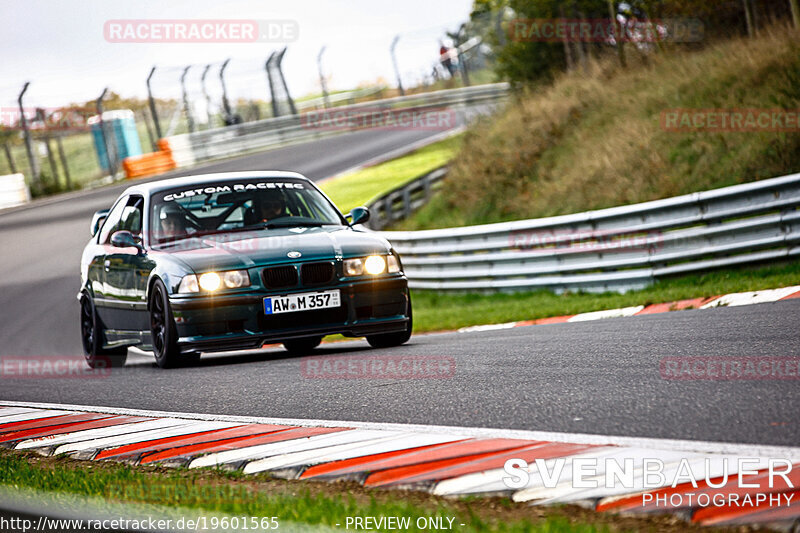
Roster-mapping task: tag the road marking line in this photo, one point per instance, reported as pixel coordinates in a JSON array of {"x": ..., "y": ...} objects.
[
  {"x": 178, "y": 427},
  {"x": 610, "y": 313},
  {"x": 283, "y": 443},
  {"x": 488, "y": 327},
  {"x": 90, "y": 434},
  {"x": 347, "y": 451},
  {"x": 751, "y": 297},
  {"x": 12, "y": 420}
]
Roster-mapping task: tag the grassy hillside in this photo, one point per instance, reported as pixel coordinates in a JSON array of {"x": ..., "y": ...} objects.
[{"x": 595, "y": 140}]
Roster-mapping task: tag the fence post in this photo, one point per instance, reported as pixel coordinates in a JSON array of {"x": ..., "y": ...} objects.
[
  {"x": 109, "y": 146},
  {"x": 618, "y": 37},
  {"x": 396, "y": 69},
  {"x": 322, "y": 84},
  {"x": 63, "y": 158},
  {"x": 51, "y": 159},
  {"x": 205, "y": 93},
  {"x": 267, "y": 66},
  {"x": 225, "y": 104},
  {"x": 279, "y": 61},
  {"x": 149, "y": 129},
  {"x": 34, "y": 163},
  {"x": 153, "y": 104},
  {"x": 11, "y": 164},
  {"x": 186, "y": 110}
]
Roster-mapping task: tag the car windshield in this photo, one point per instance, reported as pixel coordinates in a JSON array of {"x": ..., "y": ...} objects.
[{"x": 236, "y": 205}]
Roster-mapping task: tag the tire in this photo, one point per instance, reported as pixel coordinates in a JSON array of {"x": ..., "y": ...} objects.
[
  {"x": 92, "y": 339},
  {"x": 302, "y": 346},
  {"x": 162, "y": 328},
  {"x": 389, "y": 340}
]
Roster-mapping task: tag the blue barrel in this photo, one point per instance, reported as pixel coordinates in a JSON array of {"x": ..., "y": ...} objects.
[{"x": 121, "y": 136}]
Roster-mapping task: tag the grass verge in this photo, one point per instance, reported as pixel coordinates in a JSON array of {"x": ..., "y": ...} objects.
[
  {"x": 358, "y": 188},
  {"x": 302, "y": 502},
  {"x": 438, "y": 311},
  {"x": 596, "y": 140}
]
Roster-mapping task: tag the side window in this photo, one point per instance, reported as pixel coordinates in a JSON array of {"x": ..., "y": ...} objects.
[
  {"x": 112, "y": 220},
  {"x": 132, "y": 216},
  {"x": 128, "y": 217}
]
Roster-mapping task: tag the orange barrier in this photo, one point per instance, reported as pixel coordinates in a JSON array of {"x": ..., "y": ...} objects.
[{"x": 150, "y": 164}]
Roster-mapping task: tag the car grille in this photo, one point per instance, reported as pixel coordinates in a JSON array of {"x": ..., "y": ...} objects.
[
  {"x": 280, "y": 277},
  {"x": 305, "y": 319},
  {"x": 317, "y": 273}
]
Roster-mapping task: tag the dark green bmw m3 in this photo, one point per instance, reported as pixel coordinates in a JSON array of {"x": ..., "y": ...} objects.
[{"x": 232, "y": 261}]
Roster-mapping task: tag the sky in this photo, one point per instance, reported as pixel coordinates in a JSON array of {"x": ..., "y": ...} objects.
[{"x": 60, "y": 47}]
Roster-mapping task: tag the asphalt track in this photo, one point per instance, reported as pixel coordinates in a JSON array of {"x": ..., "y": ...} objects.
[{"x": 594, "y": 377}]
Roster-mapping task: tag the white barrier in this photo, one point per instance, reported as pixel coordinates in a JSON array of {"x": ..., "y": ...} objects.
[{"x": 13, "y": 191}]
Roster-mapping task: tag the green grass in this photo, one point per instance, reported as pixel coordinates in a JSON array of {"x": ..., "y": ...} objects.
[
  {"x": 358, "y": 188},
  {"x": 291, "y": 501},
  {"x": 591, "y": 141},
  {"x": 438, "y": 311}
]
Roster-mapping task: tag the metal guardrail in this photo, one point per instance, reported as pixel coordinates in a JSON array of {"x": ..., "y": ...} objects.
[
  {"x": 218, "y": 143},
  {"x": 401, "y": 201},
  {"x": 616, "y": 249}
]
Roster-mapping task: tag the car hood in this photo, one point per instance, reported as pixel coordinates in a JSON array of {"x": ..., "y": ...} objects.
[{"x": 233, "y": 251}]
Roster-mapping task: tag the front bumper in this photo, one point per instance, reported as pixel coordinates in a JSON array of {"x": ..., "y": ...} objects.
[{"x": 237, "y": 321}]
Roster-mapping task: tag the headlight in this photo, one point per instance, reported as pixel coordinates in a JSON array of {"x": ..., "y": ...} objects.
[
  {"x": 213, "y": 281},
  {"x": 373, "y": 265},
  {"x": 353, "y": 267},
  {"x": 189, "y": 284},
  {"x": 392, "y": 264},
  {"x": 234, "y": 279},
  {"x": 210, "y": 281}
]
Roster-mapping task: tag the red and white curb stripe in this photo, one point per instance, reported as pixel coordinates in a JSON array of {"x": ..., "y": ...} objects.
[
  {"x": 729, "y": 300},
  {"x": 442, "y": 460}
]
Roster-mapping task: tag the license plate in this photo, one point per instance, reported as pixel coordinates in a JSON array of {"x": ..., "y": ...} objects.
[{"x": 306, "y": 301}]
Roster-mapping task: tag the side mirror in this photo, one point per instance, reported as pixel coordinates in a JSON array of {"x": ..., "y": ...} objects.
[
  {"x": 125, "y": 239},
  {"x": 358, "y": 215},
  {"x": 97, "y": 221}
]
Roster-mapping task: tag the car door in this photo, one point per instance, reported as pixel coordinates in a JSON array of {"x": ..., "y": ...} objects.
[
  {"x": 126, "y": 271},
  {"x": 98, "y": 266}
]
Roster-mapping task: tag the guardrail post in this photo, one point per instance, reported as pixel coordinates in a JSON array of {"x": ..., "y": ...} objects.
[
  {"x": 406, "y": 202},
  {"x": 427, "y": 185},
  {"x": 387, "y": 208}
]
